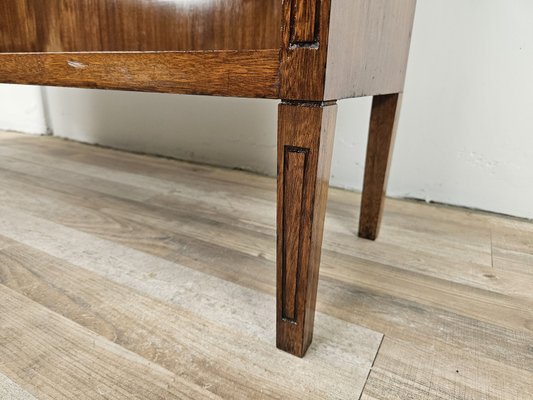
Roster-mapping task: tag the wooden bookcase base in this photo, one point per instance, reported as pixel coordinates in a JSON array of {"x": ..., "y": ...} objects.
[{"x": 307, "y": 53}]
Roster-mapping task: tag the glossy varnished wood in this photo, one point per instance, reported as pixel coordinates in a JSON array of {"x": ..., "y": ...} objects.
[
  {"x": 138, "y": 25},
  {"x": 304, "y": 49},
  {"x": 383, "y": 121},
  {"x": 305, "y": 143},
  {"x": 223, "y": 73},
  {"x": 309, "y": 53},
  {"x": 329, "y": 49}
]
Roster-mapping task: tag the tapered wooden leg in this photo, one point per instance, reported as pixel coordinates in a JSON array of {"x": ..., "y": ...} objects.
[
  {"x": 305, "y": 142},
  {"x": 380, "y": 143}
]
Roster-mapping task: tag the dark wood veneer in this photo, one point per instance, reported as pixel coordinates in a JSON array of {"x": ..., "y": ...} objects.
[
  {"x": 254, "y": 73},
  {"x": 382, "y": 130},
  {"x": 138, "y": 25},
  {"x": 305, "y": 144},
  {"x": 295, "y": 187},
  {"x": 308, "y": 53}
]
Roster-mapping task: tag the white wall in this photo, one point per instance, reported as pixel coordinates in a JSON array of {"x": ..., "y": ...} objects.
[
  {"x": 22, "y": 109},
  {"x": 224, "y": 131},
  {"x": 465, "y": 136}
]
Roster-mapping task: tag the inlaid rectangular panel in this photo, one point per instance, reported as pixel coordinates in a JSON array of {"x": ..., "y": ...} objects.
[
  {"x": 138, "y": 25},
  {"x": 295, "y": 171},
  {"x": 305, "y": 22},
  {"x": 334, "y": 49}
]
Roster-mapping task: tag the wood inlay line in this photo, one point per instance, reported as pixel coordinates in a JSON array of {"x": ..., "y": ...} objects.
[
  {"x": 295, "y": 167},
  {"x": 305, "y": 23}
]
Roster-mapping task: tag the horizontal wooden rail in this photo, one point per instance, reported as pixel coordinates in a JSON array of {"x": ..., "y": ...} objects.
[{"x": 243, "y": 73}]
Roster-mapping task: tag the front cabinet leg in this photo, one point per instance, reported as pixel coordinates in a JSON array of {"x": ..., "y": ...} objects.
[
  {"x": 305, "y": 143},
  {"x": 385, "y": 109}
]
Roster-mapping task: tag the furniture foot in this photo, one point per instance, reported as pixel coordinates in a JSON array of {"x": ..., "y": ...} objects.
[
  {"x": 305, "y": 143},
  {"x": 380, "y": 143}
]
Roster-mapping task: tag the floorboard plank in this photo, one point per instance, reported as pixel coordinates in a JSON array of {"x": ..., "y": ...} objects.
[
  {"x": 126, "y": 223},
  {"x": 146, "y": 252},
  {"x": 341, "y": 349},
  {"x": 157, "y": 331},
  {"x": 55, "y": 358},
  {"x": 413, "y": 237},
  {"x": 406, "y": 370}
]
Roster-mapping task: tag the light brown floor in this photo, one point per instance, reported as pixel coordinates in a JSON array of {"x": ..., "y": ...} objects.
[{"x": 125, "y": 276}]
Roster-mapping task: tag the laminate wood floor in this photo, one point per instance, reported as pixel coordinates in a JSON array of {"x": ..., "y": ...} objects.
[{"x": 125, "y": 276}]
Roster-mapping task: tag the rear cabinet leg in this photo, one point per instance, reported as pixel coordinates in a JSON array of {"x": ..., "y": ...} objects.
[
  {"x": 385, "y": 109},
  {"x": 305, "y": 142}
]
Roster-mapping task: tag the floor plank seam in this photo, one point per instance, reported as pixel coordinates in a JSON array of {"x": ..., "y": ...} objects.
[
  {"x": 146, "y": 254},
  {"x": 371, "y": 367},
  {"x": 491, "y": 249}
]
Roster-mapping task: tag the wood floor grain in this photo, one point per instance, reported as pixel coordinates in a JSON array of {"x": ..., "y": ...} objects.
[
  {"x": 115, "y": 265},
  {"x": 118, "y": 277},
  {"x": 55, "y": 358}
]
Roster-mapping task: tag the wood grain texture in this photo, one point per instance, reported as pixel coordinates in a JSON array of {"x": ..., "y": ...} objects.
[
  {"x": 305, "y": 142},
  {"x": 303, "y": 62},
  {"x": 138, "y": 25},
  {"x": 202, "y": 337},
  {"x": 40, "y": 349},
  {"x": 360, "y": 48},
  {"x": 305, "y": 22},
  {"x": 328, "y": 49},
  {"x": 511, "y": 243},
  {"x": 223, "y": 73},
  {"x": 368, "y": 47},
  {"x": 382, "y": 130},
  {"x": 203, "y": 332},
  {"x": 295, "y": 190},
  {"x": 129, "y": 318},
  {"x": 438, "y": 231},
  {"x": 88, "y": 227},
  {"x": 406, "y": 370}
]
